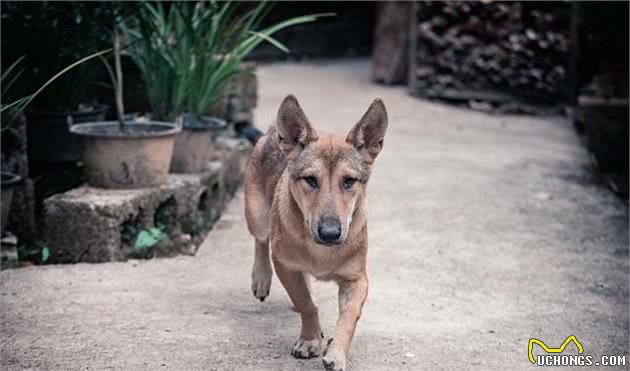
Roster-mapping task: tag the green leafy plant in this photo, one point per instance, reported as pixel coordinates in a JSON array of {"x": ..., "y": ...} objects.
[
  {"x": 148, "y": 238},
  {"x": 142, "y": 243},
  {"x": 9, "y": 111},
  {"x": 53, "y": 35},
  {"x": 187, "y": 51},
  {"x": 45, "y": 254},
  {"x": 8, "y": 78},
  {"x": 37, "y": 252}
]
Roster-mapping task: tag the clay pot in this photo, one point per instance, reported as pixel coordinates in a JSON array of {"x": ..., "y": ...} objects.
[
  {"x": 137, "y": 157},
  {"x": 195, "y": 144},
  {"x": 9, "y": 181}
]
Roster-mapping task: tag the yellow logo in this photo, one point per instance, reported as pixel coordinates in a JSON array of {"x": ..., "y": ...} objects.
[{"x": 571, "y": 338}]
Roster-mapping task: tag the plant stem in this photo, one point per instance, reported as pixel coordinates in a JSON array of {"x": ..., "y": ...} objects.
[{"x": 120, "y": 109}]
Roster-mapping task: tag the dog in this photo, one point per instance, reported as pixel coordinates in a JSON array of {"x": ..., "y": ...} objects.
[{"x": 306, "y": 196}]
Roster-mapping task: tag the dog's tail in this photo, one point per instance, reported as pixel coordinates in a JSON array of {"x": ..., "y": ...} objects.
[{"x": 247, "y": 130}]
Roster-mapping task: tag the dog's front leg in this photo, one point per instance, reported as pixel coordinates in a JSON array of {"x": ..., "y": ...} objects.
[
  {"x": 311, "y": 341},
  {"x": 261, "y": 271},
  {"x": 352, "y": 295}
]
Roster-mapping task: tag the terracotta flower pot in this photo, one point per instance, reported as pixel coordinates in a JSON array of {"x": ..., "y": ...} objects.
[
  {"x": 195, "y": 144},
  {"x": 137, "y": 157}
]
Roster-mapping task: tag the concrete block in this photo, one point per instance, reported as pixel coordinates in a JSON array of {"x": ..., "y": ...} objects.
[
  {"x": 89, "y": 224},
  {"x": 234, "y": 153}
]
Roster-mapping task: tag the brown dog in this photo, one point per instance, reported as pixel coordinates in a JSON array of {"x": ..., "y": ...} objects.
[{"x": 306, "y": 194}]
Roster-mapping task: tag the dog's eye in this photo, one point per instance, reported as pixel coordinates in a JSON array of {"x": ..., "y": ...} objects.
[
  {"x": 311, "y": 181},
  {"x": 348, "y": 182}
]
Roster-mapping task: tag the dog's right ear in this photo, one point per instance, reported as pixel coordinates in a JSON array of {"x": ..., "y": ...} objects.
[
  {"x": 367, "y": 135},
  {"x": 293, "y": 129}
]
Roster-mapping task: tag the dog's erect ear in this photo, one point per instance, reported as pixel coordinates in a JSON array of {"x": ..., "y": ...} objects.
[
  {"x": 294, "y": 130},
  {"x": 367, "y": 135}
]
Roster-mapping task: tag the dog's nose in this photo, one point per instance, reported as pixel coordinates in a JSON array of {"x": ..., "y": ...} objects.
[{"x": 329, "y": 230}]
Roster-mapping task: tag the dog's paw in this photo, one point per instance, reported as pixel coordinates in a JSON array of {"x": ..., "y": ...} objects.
[
  {"x": 334, "y": 360},
  {"x": 261, "y": 281},
  {"x": 308, "y": 348}
]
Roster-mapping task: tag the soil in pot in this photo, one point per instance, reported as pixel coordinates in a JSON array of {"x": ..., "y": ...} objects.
[
  {"x": 137, "y": 157},
  {"x": 9, "y": 181},
  {"x": 49, "y": 139},
  {"x": 195, "y": 144}
]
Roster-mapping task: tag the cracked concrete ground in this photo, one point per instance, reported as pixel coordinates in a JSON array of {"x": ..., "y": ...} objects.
[{"x": 485, "y": 231}]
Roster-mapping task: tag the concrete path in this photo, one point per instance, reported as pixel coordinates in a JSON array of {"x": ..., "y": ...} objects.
[{"x": 485, "y": 231}]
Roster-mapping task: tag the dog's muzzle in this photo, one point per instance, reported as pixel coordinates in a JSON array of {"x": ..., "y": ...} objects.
[{"x": 329, "y": 231}]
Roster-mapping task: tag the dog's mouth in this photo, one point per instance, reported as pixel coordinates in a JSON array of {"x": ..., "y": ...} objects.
[{"x": 327, "y": 243}]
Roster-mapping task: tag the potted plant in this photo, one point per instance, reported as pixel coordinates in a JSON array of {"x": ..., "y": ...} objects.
[
  {"x": 125, "y": 154},
  {"x": 186, "y": 52},
  {"x": 66, "y": 31},
  {"x": 9, "y": 113}
]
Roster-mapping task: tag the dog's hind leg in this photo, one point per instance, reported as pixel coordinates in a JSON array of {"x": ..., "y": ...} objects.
[
  {"x": 261, "y": 271},
  {"x": 311, "y": 341}
]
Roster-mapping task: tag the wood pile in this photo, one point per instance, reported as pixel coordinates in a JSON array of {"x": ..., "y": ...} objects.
[{"x": 490, "y": 51}]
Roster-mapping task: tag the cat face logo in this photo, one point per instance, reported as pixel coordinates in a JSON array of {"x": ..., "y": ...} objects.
[{"x": 547, "y": 349}]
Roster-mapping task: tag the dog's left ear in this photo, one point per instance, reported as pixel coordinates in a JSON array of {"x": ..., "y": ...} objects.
[{"x": 367, "y": 135}]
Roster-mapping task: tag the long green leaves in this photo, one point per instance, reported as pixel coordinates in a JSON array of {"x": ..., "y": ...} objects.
[
  {"x": 186, "y": 51},
  {"x": 8, "y": 77},
  {"x": 11, "y": 110}
]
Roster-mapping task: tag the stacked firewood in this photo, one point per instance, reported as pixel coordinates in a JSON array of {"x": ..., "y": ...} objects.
[{"x": 491, "y": 50}]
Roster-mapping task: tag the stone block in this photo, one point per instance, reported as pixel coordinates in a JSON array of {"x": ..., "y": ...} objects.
[
  {"x": 89, "y": 224},
  {"x": 93, "y": 225},
  {"x": 234, "y": 153}
]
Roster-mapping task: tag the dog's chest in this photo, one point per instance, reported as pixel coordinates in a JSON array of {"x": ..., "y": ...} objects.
[{"x": 321, "y": 262}]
